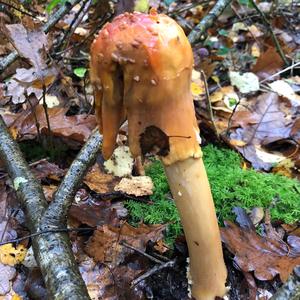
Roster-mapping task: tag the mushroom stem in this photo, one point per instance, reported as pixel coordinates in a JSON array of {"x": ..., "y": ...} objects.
[{"x": 191, "y": 191}]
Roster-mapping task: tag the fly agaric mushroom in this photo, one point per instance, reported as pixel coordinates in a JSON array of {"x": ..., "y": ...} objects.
[{"x": 141, "y": 70}]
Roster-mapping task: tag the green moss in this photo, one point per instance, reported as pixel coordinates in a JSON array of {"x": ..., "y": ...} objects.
[
  {"x": 231, "y": 186},
  {"x": 163, "y": 209}
]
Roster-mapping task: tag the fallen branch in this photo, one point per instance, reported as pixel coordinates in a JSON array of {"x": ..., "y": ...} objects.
[
  {"x": 199, "y": 30},
  {"x": 56, "y": 213},
  {"x": 63, "y": 10},
  {"x": 53, "y": 250},
  {"x": 155, "y": 269}
]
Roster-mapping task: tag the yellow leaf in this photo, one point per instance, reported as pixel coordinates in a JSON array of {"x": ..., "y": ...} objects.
[
  {"x": 237, "y": 143},
  {"x": 13, "y": 132},
  {"x": 255, "y": 51},
  {"x": 16, "y": 297},
  {"x": 216, "y": 79},
  {"x": 196, "y": 89},
  {"x": 10, "y": 255},
  {"x": 141, "y": 5}
]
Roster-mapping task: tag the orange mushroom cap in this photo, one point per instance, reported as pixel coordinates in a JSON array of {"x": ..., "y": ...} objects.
[{"x": 141, "y": 68}]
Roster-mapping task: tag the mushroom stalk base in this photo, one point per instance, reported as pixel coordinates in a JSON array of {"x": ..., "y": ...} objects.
[{"x": 190, "y": 188}]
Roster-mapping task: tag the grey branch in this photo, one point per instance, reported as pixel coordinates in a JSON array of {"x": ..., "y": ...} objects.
[{"x": 199, "y": 30}]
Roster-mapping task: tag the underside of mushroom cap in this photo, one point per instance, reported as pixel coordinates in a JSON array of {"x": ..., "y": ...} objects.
[{"x": 141, "y": 69}]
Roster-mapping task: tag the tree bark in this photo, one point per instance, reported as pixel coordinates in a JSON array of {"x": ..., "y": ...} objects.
[{"x": 199, "y": 30}]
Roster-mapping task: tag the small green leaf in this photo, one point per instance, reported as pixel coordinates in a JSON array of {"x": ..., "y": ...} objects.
[
  {"x": 79, "y": 72},
  {"x": 223, "y": 32},
  {"x": 54, "y": 3},
  {"x": 223, "y": 50},
  {"x": 232, "y": 102},
  {"x": 247, "y": 3},
  {"x": 141, "y": 5}
]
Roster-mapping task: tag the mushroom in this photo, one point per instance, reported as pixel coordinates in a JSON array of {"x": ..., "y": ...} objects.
[{"x": 140, "y": 69}]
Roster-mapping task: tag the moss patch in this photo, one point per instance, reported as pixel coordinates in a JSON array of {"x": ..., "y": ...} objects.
[{"x": 231, "y": 186}]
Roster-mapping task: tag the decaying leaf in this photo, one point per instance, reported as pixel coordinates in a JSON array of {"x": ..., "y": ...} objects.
[
  {"x": 7, "y": 274},
  {"x": 153, "y": 139},
  {"x": 106, "y": 243},
  {"x": 268, "y": 63},
  {"x": 23, "y": 40},
  {"x": 77, "y": 128},
  {"x": 10, "y": 255},
  {"x": 265, "y": 256},
  {"x": 246, "y": 83},
  {"x": 99, "y": 181},
  {"x": 267, "y": 124},
  {"x": 94, "y": 213}
]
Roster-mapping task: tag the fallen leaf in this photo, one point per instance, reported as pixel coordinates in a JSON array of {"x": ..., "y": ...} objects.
[
  {"x": 7, "y": 274},
  {"x": 44, "y": 169},
  {"x": 284, "y": 89},
  {"x": 268, "y": 63},
  {"x": 106, "y": 243},
  {"x": 246, "y": 82},
  {"x": 96, "y": 214},
  {"x": 23, "y": 40},
  {"x": 154, "y": 139},
  {"x": 100, "y": 182},
  {"x": 77, "y": 128},
  {"x": 265, "y": 256},
  {"x": 10, "y": 255},
  {"x": 17, "y": 91},
  {"x": 271, "y": 125}
]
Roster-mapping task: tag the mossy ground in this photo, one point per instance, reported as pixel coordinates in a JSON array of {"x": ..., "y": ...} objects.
[{"x": 231, "y": 186}]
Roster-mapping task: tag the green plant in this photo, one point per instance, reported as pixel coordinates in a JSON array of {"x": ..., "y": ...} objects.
[
  {"x": 231, "y": 186},
  {"x": 53, "y": 4}
]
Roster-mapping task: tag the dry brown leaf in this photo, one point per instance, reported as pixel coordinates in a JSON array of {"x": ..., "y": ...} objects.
[
  {"x": 105, "y": 244},
  {"x": 24, "y": 40},
  {"x": 268, "y": 63},
  {"x": 100, "y": 182},
  {"x": 77, "y": 128},
  {"x": 94, "y": 213},
  {"x": 267, "y": 124},
  {"x": 45, "y": 169},
  {"x": 265, "y": 256}
]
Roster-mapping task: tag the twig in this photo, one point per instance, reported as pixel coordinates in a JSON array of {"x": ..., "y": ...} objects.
[
  {"x": 66, "y": 37},
  {"x": 45, "y": 107},
  {"x": 141, "y": 252},
  {"x": 280, "y": 72},
  {"x": 208, "y": 103},
  {"x": 18, "y": 9},
  {"x": 230, "y": 118},
  {"x": 275, "y": 40},
  {"x": 56, "y": 213},
  {"x": 199, "y": 30},
  {"x": 37, "y": 124},
  {"x": 9, "y": 59},
  {"x": 18, "y": 240},
  {"x": 152, "y": 271}
]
